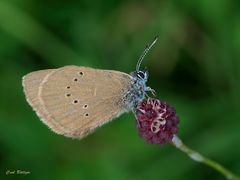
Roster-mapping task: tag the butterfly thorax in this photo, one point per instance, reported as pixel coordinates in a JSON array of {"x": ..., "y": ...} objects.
[{"x": 136, "y": 92}]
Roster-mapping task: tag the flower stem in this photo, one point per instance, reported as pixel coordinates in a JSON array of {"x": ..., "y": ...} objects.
[{"x": 176, "y": 141}]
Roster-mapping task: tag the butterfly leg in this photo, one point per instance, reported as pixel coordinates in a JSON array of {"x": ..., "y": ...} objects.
[
  {"x": 148, "y": 89},
  {"x": 138, "y": 123}
]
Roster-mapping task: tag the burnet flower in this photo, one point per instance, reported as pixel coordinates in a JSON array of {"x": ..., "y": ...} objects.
[{"x": 156, "y": 121}]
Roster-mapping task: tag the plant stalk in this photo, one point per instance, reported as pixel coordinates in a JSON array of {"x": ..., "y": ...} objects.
[{"x": 177, "y": 142}]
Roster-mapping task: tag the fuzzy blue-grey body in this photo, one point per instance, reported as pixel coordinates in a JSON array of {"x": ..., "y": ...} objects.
[{"x": 137, "y": 90}]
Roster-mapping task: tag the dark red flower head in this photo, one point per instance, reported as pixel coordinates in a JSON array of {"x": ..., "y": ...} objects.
[{"x": 156, "y": 121}]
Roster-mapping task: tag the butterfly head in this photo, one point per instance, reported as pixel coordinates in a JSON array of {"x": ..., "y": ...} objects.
[{"x": 141, "y": 75}]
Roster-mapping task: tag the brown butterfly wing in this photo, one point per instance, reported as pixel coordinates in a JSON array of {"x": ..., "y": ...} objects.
[{"x": 76, "y": 100}]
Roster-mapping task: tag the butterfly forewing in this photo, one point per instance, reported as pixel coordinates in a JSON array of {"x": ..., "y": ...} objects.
[{"x": 74, "y": 100}]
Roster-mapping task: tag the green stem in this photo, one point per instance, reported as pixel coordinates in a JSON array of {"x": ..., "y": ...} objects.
[{"x": 202, "y": 159}]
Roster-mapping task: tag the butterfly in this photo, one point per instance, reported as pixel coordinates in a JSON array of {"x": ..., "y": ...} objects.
[{"x": 74, "y": 100}]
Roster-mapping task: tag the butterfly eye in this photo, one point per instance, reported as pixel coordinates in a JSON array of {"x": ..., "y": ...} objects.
[{"x": 141, "y": 74}]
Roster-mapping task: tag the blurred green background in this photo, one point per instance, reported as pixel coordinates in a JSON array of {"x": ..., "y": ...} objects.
[{"x": 195, "y": 66}]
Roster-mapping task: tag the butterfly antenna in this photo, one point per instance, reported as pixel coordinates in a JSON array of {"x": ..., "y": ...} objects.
[{"x": 148, "y": 47}]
